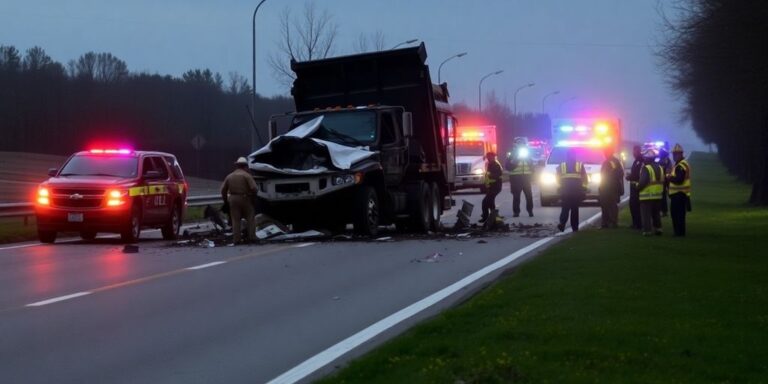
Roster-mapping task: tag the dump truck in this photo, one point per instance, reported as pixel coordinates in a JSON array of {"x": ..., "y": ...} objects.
[{"x": 371, "y": 144}]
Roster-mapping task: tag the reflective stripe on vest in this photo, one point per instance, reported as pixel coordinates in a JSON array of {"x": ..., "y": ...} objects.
[
  {"x": 685, "y": 186},
  {"x": 523, "y": 168},
  {"x": 567, "y": 175},
  {"x": 655, "y": 188}
]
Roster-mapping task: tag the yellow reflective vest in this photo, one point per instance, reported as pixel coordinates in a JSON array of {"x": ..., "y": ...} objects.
[
  {"x": 576, "y": 174},
  {"x": 685, "y": 186},
  {"x": 655, "y": 188},
  {"x": 523, "y": 168}
]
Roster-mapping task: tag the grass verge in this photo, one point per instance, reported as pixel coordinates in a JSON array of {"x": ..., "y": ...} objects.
[
  {"x": 609, "y": 306},
  {"x": 13, "y": 229}
]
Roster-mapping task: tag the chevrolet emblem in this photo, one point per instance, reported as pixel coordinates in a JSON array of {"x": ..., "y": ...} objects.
[{"x": 76, "y": 196}]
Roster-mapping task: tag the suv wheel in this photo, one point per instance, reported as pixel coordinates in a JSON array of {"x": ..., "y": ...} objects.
[
  {"x": 133, "y": 229},
  {"x": 365, "y": 213},
  {"x": 48, "y": 237},
  {"x": 171, "y": 229}
]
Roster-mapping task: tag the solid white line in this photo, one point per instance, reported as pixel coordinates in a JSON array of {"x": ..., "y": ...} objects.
[
  {"x": 201, "y": 266},
  {"x": 325, "y": 357},
  {"x": 57, "y": 299},
  {"x": 302, "y": 245}
]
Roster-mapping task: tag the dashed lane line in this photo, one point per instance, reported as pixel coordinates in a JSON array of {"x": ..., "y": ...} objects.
[{"x": 57, "y": 299}]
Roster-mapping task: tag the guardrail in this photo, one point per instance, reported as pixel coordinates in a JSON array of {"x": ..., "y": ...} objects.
[{"x": 28, "y": 209}]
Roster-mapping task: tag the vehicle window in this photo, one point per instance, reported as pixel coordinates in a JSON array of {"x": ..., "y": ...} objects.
[
  {"x": 347, "y": 128},
  {"x": 388, "y": 135},
  {"x": 585, "y": 155},
  {"x": 470, "y": 148},
  {"x": 174, "y": 166},
  {"x": 147, "y": 166},
  {"x": 160, "y": 167},
  {"x": 101, "y": 165}
]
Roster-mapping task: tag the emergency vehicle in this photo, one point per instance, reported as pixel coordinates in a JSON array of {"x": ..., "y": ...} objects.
[
  {"x": 587, "y": 140},
  {"x": 472, "y": 143},
  {"x": 112, "y": 190}
]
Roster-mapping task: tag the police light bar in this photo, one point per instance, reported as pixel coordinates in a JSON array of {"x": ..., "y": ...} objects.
[
  {"x": 566, "y": 128},
  {"x": 580, "y": 143},
  {"x": 111, "y": 151},
  {"x": 472, "y": 134}
]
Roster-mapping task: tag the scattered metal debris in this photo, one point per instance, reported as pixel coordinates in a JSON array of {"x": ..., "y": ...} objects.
[
  {"x": 433, "y": 258},
  {"x": 131, "y": 248}
]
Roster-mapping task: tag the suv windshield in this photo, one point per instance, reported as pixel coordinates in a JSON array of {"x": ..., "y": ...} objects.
[
  {"x": 585, "y": 155},
  {"x": 114, "y": 166},
  {"x": 470, "y": 148},
  {"x": 347, "y": 128}
]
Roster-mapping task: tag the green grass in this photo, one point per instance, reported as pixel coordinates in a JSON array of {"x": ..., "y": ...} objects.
[
  {"x": 13, "y": 229},
  {"x": 609, "y": 306}
]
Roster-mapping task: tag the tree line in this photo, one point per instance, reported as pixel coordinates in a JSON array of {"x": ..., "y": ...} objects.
[
  {"x": 49, "y": 107},
  {"x": 717, "y": 60}
]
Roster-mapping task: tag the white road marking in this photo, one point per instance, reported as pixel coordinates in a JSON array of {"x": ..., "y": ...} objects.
[
  {"x": 201, "y": 266},
  {"x": 302, "y": 245},
  {"x": 334, "y": 352},
  {"x": 57, "y": 299}
]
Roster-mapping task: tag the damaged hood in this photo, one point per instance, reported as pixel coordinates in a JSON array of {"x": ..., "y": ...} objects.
[{"x": 295, "y": 153}]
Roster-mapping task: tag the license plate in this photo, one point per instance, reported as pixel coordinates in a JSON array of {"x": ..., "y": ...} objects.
[{"x": 75, "y": 217}]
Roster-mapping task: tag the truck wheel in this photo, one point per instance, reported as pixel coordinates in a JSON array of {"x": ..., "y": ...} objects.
[
  {"x": 419, "y": 205},
  {"x": 48, "y": 237},
  {"x": 88, "y": 235},
  {"x": 132, "y": 230},
  {"x": 365, "y": 213},
  {"x": 171, "y": 229},
  {"x": 435, "y": 207}
]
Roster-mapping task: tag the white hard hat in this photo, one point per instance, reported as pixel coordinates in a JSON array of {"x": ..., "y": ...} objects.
[{"x": 241, "y": 161}]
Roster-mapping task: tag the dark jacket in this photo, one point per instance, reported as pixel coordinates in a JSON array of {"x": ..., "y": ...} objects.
[
  {"x": 612, "y": 177},
  {"x": 634, "y": 173}
]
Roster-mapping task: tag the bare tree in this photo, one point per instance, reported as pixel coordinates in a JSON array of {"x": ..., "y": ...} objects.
[
  {"x": 109, "y": 68},
  {"x": 310, "y": 36},
  {"x": 10, "y": 59},
  {"x": 36, "y": 59},
  {"x": 84, "y": 67},
  {"x": 370, "y": 43},
  {"x": 238, "y": 84}
]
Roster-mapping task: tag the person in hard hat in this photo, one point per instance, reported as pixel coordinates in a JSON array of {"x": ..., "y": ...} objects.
[
  {"x": 679, "y": 190},
  {"x": 520, "y": 170},
  {"x": 493, "y": 172},
  {"x": 238, "y": 191},
  {"x": 611, "y": 189},
  {"x": 651, "y": 190},
  {"x": 634, "y": 193},
  {"x": 666, "y": 166},
  {"x": 572, "y": 179}
]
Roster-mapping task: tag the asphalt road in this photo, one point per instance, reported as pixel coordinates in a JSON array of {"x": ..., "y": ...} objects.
[{"x": 89, "y": 313}]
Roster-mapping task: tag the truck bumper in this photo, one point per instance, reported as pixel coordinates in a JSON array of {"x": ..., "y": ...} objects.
[
  {"x": 302, "y": 188},
  {"x": 468, "y": 181}
]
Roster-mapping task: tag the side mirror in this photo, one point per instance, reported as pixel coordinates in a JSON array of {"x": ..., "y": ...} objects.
[
  {"x": 407, "y": 124},
  {"x": 152, "y": 175},
  {"x": 272, "y": 129},
  {"x": 52, "y": 172}
]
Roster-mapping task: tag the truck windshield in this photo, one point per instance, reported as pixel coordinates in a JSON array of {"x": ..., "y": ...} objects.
[
  {"x": 347, "y": 128},
  {"x": 470, "y": 148},
  {"x": 112, "y": 166},
  {"x": 584, "y": 155}
]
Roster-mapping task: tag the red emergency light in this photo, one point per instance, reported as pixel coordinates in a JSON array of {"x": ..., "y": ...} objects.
[{"x": 99, "y": 151}]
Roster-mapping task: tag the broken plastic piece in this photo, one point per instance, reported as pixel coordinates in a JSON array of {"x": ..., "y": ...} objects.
[{"x": 130, "y": 248}]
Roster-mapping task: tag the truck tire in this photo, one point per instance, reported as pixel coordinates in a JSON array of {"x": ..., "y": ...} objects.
[
  {"x": 48, "y": 237},
  {"x": 435, "y": 207},
  {"x": 365, "y": 212},
  {"x": 171, "y": 229},
  {"x": 419, "y": 202},
  {"x": 132, "y": 230}
]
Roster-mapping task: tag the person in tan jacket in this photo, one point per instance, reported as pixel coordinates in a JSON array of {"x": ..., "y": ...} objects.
[{"x": 238, "y": 190}]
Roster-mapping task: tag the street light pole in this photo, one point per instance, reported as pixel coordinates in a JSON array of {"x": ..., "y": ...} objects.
[
  {"x": 445, "y": 61},
  {"x": 254, "y": 132},
  {"x": 411, "y": 41},
  {"x": 480, "y": 89},
  {"x": 514, "y": 98},
  {"x": 544, "y": 100}
]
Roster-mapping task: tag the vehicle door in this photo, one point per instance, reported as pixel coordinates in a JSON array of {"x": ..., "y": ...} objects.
[
  {"x": 393, "y": 148},
  {"x": 155, "y": 193},
  {"x": 178, "y": 185}
]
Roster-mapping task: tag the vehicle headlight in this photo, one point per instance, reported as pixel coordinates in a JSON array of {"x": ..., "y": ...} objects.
[
  {"x": 548, "y": 178},
  {"x": 595, "y": 178},
  {"x": 343, "y": 179},
  {"x": 477, "y": 171}
]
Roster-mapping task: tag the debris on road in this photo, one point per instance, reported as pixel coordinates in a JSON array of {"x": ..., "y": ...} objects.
[
  {"x": 385, "y": 238},
  {"x": 207, "y": 244},
  {"x": 433, "y": 258},
  {"x": 463, "y": 215},
  {"x": 481, "y": 241},
  {"x": 130, "y": 248}
]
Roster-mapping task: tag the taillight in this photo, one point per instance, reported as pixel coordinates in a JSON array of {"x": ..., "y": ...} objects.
[
  {"x": 115, "y": 197},
  {"x": 43, "y": 196}
]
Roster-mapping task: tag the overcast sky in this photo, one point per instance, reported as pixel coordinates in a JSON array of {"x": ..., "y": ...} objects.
[{"x": 599, "y": 51}]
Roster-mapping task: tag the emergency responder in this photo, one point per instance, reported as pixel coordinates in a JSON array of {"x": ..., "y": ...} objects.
[
  {"x": 611, "y": 189},
  {"x": 238, "y": 191},
  {"x": 520, "y": 170},
  {"x": 679, "y": 190},
  {"x": 651, "y": 187},
  {"x": 666, "y": 167},
  {"x": 634, "y": 193},
  {"x": 493, "y": 172},
  {"x": 572, "y": 178}
]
